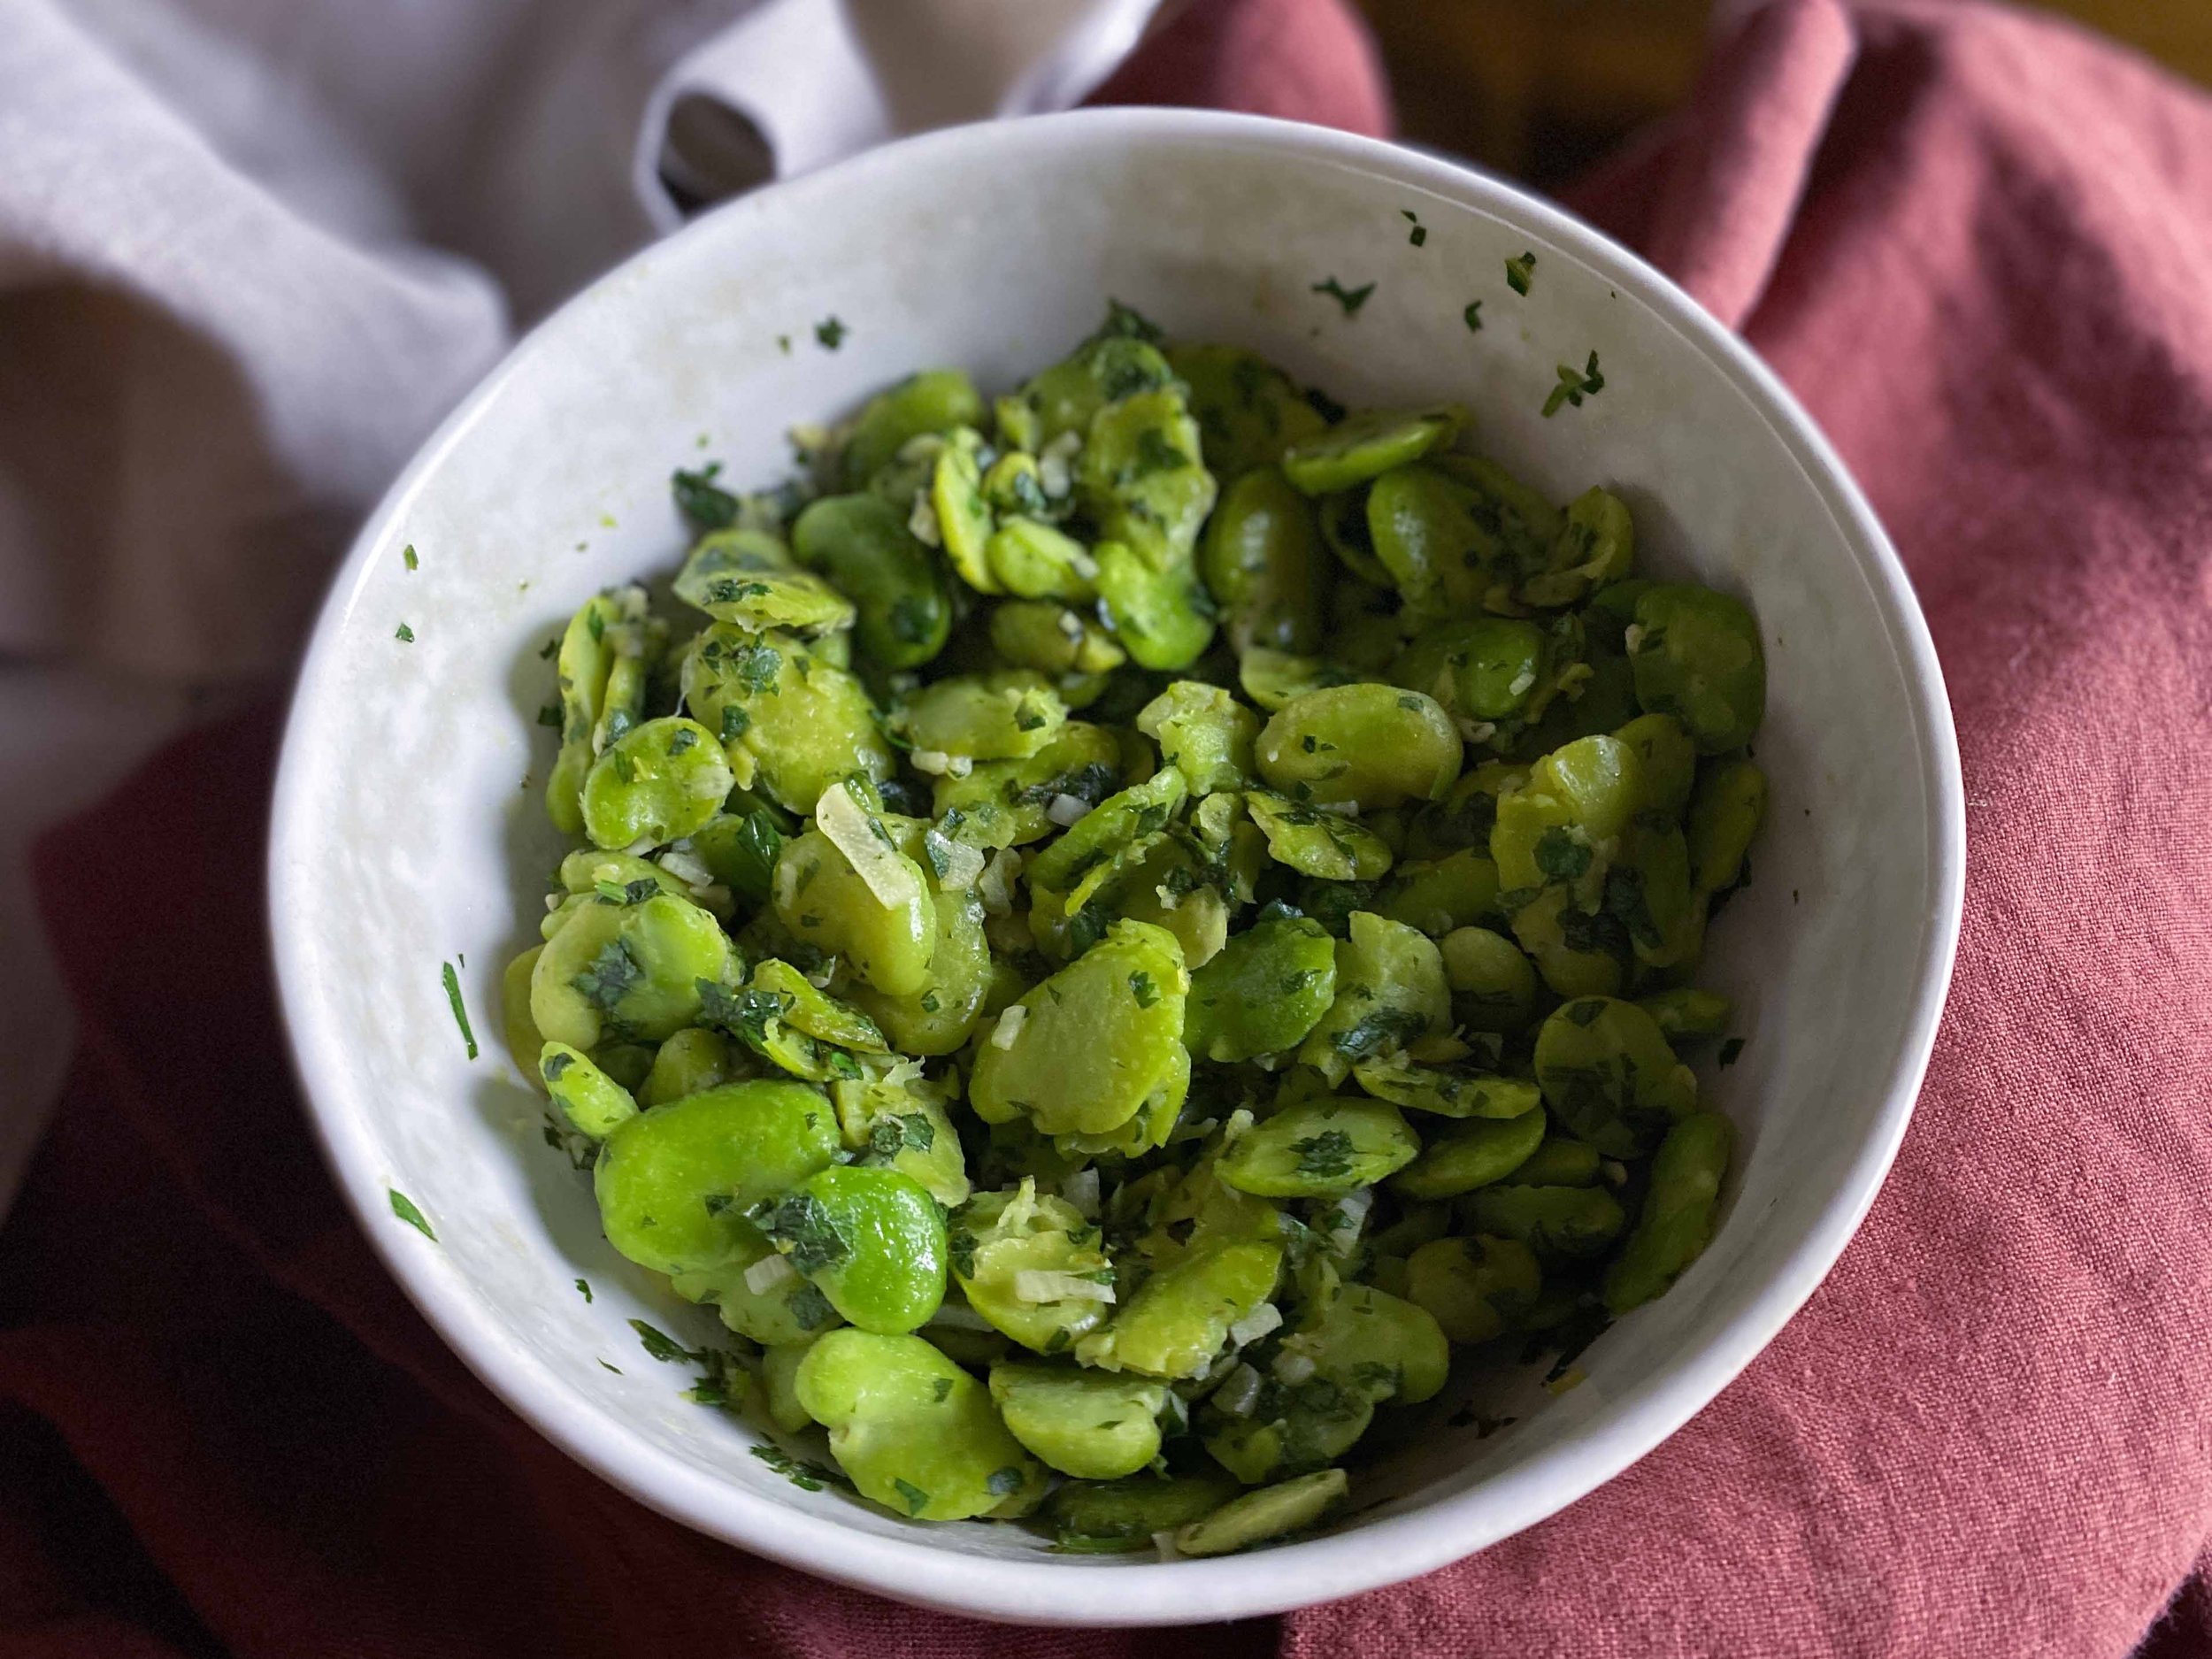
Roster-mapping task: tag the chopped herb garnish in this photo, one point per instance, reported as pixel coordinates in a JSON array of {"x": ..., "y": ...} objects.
[
  {"x": 1517, "y": 273},
  {"x": 660, "y": 1345},
  {"x": 1125, "y": 322},
  {"x": 583, "y": 1288},
  {"x": 609, "y": 977},
  {"x": 1574, "y": 385},
  {"x": 407, "y": 553},
  {"x": 1350, "y": 299},
  {"x": 1325, "y": 1157},
  {"x": 1420, "y": 232},
  {"x": 1472, "y": 317},
  {"x": 1732, "y": 1051},
  {"x": 551, "y": 715},
  {"x": 917, "y": 1500},
  {"x": 1141, "y": 987},
  {"x": 406, "y": 635},
  {"x": 1560, "y": 855},
  {"x": 604, "y": 1365},
  {"x": 700, "y": 499},
  {"x": 803, "y": 1222},
  {"x": 1005, "y": 1483},
  {"x": 404, "y": 1206},
  {"x": 460, "y": 1012},
  {"x": 941, "y": 1387},
  {"x": 831, "y": 333}
]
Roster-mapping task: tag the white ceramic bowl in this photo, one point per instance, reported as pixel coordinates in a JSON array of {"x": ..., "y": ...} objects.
[{"x": 409, "y": 831}]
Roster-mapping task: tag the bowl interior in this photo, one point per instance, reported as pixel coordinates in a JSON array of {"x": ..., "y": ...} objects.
[{"x": 410, "y": 832}]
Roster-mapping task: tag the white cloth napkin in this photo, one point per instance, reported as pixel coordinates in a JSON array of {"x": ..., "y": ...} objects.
[{"x": 251, "y": 249}]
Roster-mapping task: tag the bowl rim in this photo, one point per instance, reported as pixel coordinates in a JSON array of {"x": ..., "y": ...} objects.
[{"x": 1053, "y": 1591}]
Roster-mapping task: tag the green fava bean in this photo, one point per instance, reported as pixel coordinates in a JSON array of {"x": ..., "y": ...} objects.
[
  {"x": 1346, "y": 532},
  {"x": 1562, "y": 1161},
  {"x": 1093, "y": 1425},
  {"x": 1171, "y": 886},
  {"x": 739, "y": 851},
  {"x": 1052, "y": 639},
  {"x": 790, "y": 720},
  {"x": 937, "y": 1018},
  {"x": 1178, "y": 1320},
  {"x": 1066, "y": 397},
  {"x": 1578, "y": 952},
  {"x": 1141, "y": 477},
  {"x": 658, "y": 783},
  {"x": 1427, "y": 533},
  {"x": 1266, "y": 989},
  {"x": 1473, "y": 1287},
  {"x": 1264, "y": 560},
  {"x": 871, "y": 1239},
  {"x": 1035, "y": 561},
  {"x": 594, "y": 1103},
  {"x": 1666, "y": 761},
  {"x": 1315, "y": 843},
  {"x": 1696, "y": 656},
  {"x": 625, "y": 1064},
  {"x": 599, "y": 873},
  {"x": 1007, "y": 716},
  {"x": 1203, "y": 733},
  {"x": 1164, "y": 618},
  {"x": 1608, "y": 1074},
  {"x": 1575, "y": 1222},
  {"x": 1483, "y": 669},
  {"x": 875, "y": 913},
  {"x": 917, "y": 1433},
  {"x": 1441, "y": 895},
  {"x": 1377, "y": 745},
  {"x": 1473, "y": 1154},
  {"x": 865, "y": 544},
  {"x": 1390, "y": 992},
  {"x": 630, "y": 968},
  {"x": 1320, "y": 1148},
  {"x": 1492, "y": 980},
  {"x": 1288, "y": 1429},
  {"x": 961, "y": 499},
  {"x": 1603, "y": 700},
  {"x": 673, "y": 1183},
  {"x": 1377, "y": 1345},
  {"x": 1273, "y": 678},
  {"x": 1112, "y": 1517},
  {"x": 1680, "y": 1206},
  {"x": 1575, "y": 796},
  {"x": 898, "y": 1119},
  {"x": 935, "y": 401},
  {"x": 1367, "y": 445},
  {"x": 1116, "y": 822},
  {"x": 1081, "y": 1052},
  {"x": 1248, "y": 409},
  {"x": 608, "y": 626},
  {"x": 779, "y": 1380},
  {"x": 524, "y": 1041},
  {"x": 806, "y": 1009},
  {"x": 1648, "y": 890},
  {"x": 749, "y": 577},
  {"x": 786, "y": 1309},
  {"x": 1271, "y": 1512},
  {"x": 1447, "y": 1091},
  {"x": 1596, "y": 544},
  {"x": 1009, "y": 803},
  {"x": 690, "y": 1063},
  {"x": 1726, "y": 809},
  {"x": 1006, "y": 1243},
  {"x": 1688, "y": 1015}
]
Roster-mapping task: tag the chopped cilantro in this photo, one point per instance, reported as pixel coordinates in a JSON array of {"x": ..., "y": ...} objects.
[
  {"x": 1560, "y": 855},
  {"x": 583, "y": 1288},
  {"x": 1420, "y": 232},
  {"x": 551, "y": 715},
  {"x": 809, "y": 1308},
  {"x": 1472, "y": 317},
  {"x": 1732, "y": 1051},
  {"x": 407, "y": 553},
  {"x": 831, "y": 333},
  {"x": 1141, "y": 987},
  {"x": 735, "y": 722},
  {"x": 1574, "y": 385},
  {"x": 912, "y": 620},
  {"x": 1383, "y": 1028},
  {"x": 700, "y": 499},
  {"x": 554, "y": 1067},
  {"x": 1350, "y": 299},
  {"x": 460, "y": 1012},
  {"x": 404, "y": 1206},
  {"x": 917, "y": 1500},
  {"x": 803, "y": 1222},
  {"x": 941, "y": 1387},
  {"x": 1325, "y": 1157},
  {"x": 660, "y": 1345},
  {"x": 1585, "y": 1012},
  {"x": 1125, "y": 322},
  {"x": 1156, "y": 453},
  {"x": 1517, "y": 273},
  {"x": 406, "y": 635},
  {"x": 684, "y": 738},
  {"x": 1005, "y": 1483},
  {"x": 757, "y": 667},
  {"x": 604, "y": 1365},
  {"x": 609, "y": 977}
]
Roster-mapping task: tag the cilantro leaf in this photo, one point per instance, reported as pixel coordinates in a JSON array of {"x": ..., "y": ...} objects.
[
  {"x": 404, "y": 1206},
  {"x": 1350, "y": 299}
]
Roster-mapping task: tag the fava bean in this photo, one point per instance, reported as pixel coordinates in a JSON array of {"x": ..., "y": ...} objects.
[
  {"x": 789, "y": 718},
  {"x": 660, "y": 782},
  {"x": 1366, "y": 446},
  {"x": 1696, "y": 656},
  {"x": 1269, "y": 1513},
  {"x": 1390, "y": 992},
  {"x": 1680, "y": 1205},
  {"x": 594, "y": 1103},
  {"x": 1474, "y": 1288},
  {"x": 917, "y": 1433},
  {"x": 1124, "y": 1515},
  {"x": 1320, "y": 1148},
  {"x": 691, "y": 1061},
  {"x": 864, "y": 543},
  {"x": 748, "y": 578},
  {"x": 1141, "y": 480},
  {"x": 1165, "y": 617},
  {"x": 1375, "y": 745},
  {"x": 935, "y": 401},
  {"x": 1317, "y": 842},
  {"x": 1569, "y": 1221},
  {"x": 1607, "y": 1071},
  {"x": 1470, "y": 1155},
  {"x": 1248, "y": 409},
  {"x": 1006, "y": 1244},
  {"x": 1092, "y": 1424},
  {"x": 1266, "y": 989},
  {"x": 1264, "y": 562},
  {"x": 628, "y": 968},
  {"x": 1178, "y": 1320},
  {"x": 871, "y": 1239}
]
